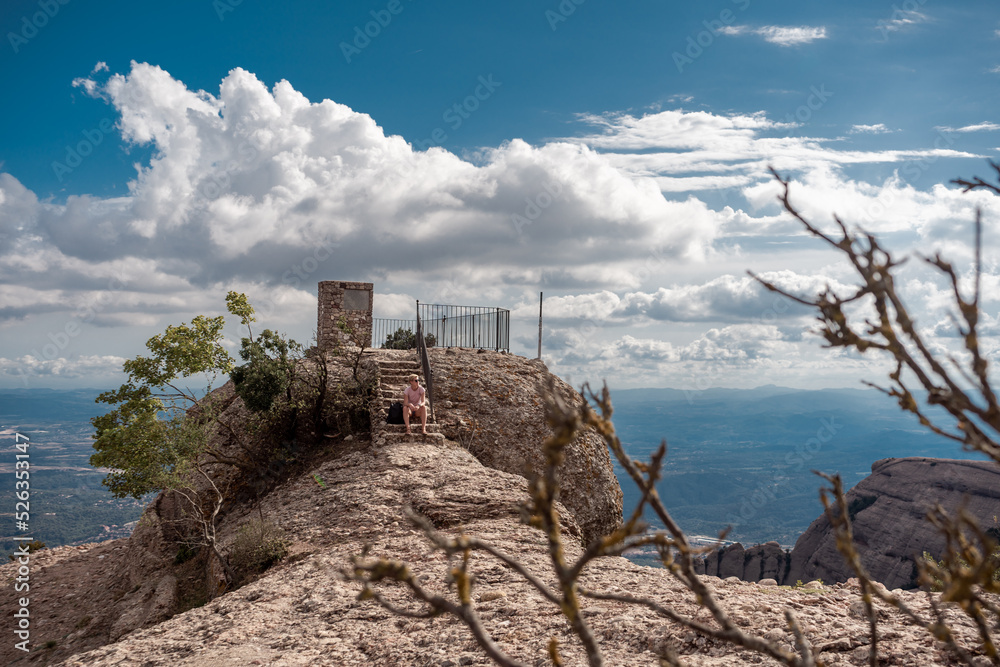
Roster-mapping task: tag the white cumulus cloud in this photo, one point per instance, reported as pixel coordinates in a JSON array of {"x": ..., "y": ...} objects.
[
  {"x": 698, "y": 150},
  {"x": 780, "y": 35},
  {"x": 263, "y": 187},
  {"x": 986, "y": 126},
  {"x": 901, "y": 19},
  {"x": 28, "y": 366},
  {"x": 877, "y": 128}
]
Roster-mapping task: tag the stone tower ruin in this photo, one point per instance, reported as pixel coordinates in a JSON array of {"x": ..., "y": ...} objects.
[{"x": 343, "y": 299}]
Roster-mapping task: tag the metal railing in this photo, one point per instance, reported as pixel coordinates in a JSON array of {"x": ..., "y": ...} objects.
[
  {"x": 466, "y": 326},
  {"x": 480, "y": 327},
  {"x": 382, "y": 328},
  {"x": 425, "y": 365}
]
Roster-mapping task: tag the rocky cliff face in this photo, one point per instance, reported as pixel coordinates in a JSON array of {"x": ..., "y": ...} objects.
[
  {"x": 888, "y": 509},
  {"x": 118, "y": 602},
  {"x": 491, "y": 402},
  {"x": 488, "y": 400},
  {"x": 302, "y": 612},
  {"x": 763, "y": 561}
]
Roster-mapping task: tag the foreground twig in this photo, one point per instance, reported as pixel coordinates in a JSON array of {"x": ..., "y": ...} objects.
[
  {"x": 541, "y": 512},
  {"x": 962, "y": 388}
]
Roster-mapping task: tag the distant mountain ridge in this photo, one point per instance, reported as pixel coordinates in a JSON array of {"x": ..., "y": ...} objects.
[
  {"x": 136, "y": 601},
  {"x": 743, "y": 458},
  {"x": 888, "y": 512},
  {"x": 738, "y": 457}
]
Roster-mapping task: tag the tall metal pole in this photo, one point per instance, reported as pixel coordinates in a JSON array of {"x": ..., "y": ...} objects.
[{"x": 539, "y": 325}]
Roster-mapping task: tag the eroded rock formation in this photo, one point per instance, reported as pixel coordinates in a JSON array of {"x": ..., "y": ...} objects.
[
  {"x": 302, "y": 611},
  {"x": 116, "y": 603},
  {"x": 762, "y": 561},
  {"x": 490, "y": 400},
  {"x": 492, "y": 403},
  {"x": 888, "y": 509}
]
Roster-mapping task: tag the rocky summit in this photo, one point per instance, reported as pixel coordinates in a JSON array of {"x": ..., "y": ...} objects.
[
  {"x": 888, "y": 510},
  {"x": 135, "y": 602}
]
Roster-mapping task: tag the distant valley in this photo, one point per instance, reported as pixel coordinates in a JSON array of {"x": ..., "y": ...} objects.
[
  {"x": 744, "y": 457},
  {"x": 736, "y": 457},
  {"x": 68, "y": 504}
]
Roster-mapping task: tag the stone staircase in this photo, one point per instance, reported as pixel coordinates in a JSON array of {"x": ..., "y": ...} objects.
[{"x": 394, "y": 367}]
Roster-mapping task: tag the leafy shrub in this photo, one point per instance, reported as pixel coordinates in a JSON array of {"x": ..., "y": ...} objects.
[
  {"x": 32, "y": 547},
  {"x": 267, "y": 373},
  {"x": 258, "y": 546},
  {"x": 932, "y": 566},
  {"x": 185, "y": 553},
  {"x": 405, "y": 339}
]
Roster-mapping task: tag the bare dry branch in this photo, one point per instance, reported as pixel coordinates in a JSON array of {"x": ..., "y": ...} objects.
[{"x": 960, "y": 386}]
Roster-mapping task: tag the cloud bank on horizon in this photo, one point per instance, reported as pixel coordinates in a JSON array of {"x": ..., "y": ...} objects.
[{"x": 265, "y": 191}]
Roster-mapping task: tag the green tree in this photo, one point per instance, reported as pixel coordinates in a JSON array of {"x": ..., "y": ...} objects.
[
  {"x": 163, "y": 436},
  {"x": 145, "y": 439},
  {"x": 400, "y": 339},
  {"x": 159, "y": 426},
  {"x": 270, "y": 360},
  {"x": 268, "y": 371},
  {"x": 405, "y": 339}
]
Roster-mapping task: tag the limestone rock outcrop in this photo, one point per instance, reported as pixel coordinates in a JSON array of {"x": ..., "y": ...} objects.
[
  {"x": 491, "y": 402},
  {"x": 117, "y": 603},
  {"x": 888, "y": 509},
  {"x": 303, "y": 612},
  {"x": 142, "y": 581},
  {"x": 761, "y": 561}
]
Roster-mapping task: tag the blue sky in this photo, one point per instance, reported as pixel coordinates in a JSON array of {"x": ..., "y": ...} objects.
[{"x": 213, "y": 163}]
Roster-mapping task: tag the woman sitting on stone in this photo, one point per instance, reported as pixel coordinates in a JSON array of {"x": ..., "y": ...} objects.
[{"x": 413, "y": 404}]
